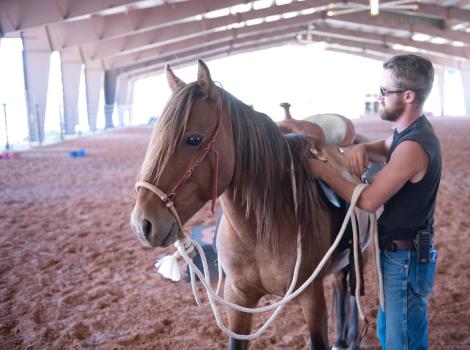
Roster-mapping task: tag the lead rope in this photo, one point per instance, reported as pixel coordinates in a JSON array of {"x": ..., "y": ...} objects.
[{"x": 185, "y": 248}]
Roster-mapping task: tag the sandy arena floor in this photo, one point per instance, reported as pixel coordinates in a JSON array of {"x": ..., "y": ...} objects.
[{"x": 72, "y": 276}]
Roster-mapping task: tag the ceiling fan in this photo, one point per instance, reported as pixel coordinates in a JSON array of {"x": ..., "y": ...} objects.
[{"x": 374, "y": 6}]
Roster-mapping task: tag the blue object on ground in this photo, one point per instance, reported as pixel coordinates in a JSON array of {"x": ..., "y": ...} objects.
[{"x": 77, "y": 153}]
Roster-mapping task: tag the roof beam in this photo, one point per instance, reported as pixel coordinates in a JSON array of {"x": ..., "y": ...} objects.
[
  {"x": 386, "y": 23},
  {"x": 228, "y": 44},
  {"x": 375, "y": 56},
  {"x": 156, "y": 37},
  {"x": 432, "y": 10},
  {"x": 152, "y": 36},
  {"x": 378, "y": 54},
  {"x": 18, "y": 15},
  {"x": 434, "y": 49},
  {"x": 322, "y": 29},
  {"x": 369, "y": 47},
  {"x": 220, "y": 51},
  {"x": 219, "y": 38},
  {"x": 145, "y": 54},
  {"x": 98, "y": 28},
  {"x": 444, "y": 12}
]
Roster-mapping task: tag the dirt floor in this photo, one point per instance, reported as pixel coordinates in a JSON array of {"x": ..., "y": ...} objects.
[{"x": 73, "y": 276}]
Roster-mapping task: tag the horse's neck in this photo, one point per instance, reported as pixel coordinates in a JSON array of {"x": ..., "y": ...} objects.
[{"x": 234, "y": 214}]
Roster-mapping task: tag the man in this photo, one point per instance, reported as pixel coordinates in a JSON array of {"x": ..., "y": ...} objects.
[{"x": 407, "y": 187}]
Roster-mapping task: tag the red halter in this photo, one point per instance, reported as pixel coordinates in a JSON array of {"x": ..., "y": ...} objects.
[{"x": 199, "y": 159}]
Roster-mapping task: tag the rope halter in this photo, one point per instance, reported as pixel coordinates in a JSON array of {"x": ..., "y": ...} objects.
[{"x": 168, "y": 266}]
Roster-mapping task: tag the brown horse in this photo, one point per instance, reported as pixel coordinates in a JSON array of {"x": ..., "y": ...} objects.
[{"x": 239, "y": 154}]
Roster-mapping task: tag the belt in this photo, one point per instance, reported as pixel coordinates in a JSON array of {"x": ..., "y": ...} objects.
[{"x": 398, "y": 245}]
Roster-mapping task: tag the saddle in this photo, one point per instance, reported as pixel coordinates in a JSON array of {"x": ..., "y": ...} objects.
[{"x": 330, "y": 133}]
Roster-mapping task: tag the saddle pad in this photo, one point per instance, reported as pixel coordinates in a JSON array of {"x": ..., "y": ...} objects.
[{"x": 338, "y": 130}]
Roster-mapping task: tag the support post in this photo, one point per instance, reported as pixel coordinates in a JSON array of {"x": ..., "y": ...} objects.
[
  {"x": 110, "y": 82},
  {"x": 122, "y": 98},
  {"x": 130, "y": 99},
  {"x": 440, "y": 73},
  {"x": 465, "y": 73},
  {"x": 7, "y": 145},
  {"x": 36, "y": 59},
  {"x": 94, "y": 82},
  {"x": 71, "y": 66}
]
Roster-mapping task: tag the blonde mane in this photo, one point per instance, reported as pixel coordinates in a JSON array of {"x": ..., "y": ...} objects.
[{"x": 261, "y": 180}]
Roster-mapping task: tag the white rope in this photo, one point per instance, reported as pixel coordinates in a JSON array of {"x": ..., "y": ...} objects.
[{"x": 213, "y": 296}]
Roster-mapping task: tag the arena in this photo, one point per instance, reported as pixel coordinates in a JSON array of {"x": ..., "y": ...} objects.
[{"x": 72, "y": 273}]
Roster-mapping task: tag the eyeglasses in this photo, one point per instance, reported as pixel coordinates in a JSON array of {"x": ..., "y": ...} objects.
[{"x": 385, "y": 92}]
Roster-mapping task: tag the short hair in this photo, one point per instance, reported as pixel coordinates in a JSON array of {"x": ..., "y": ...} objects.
[{"x": 412, "y": 72}]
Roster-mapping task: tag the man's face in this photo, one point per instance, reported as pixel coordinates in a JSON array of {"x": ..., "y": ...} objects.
[{"x": 392, "y": 104}]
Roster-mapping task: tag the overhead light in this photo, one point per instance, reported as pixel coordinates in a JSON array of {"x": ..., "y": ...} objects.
[
  {"x": 272, "y": 18},
  {"x": 283, "y": 2},
  {"x": 255, "y": 21},
  {"x": 374, "y": 7},
  {"x": 420, "y": 37},
  {"x": 439, "y": 40},
  {"x": 290, "y": 14},
  {"x": 459, "y": 26},
  {"x": 308, "y": 11},
  {"x": 404, "y": 48}
]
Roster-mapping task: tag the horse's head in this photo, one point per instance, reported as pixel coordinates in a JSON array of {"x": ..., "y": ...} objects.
[{"x": 190, "y": 159}]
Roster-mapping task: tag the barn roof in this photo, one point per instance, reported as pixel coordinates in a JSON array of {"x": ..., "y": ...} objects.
[{"x": 127, "y": 39}]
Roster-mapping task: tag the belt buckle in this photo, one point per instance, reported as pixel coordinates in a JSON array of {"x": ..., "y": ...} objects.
[{"x": 393, "y": 247}]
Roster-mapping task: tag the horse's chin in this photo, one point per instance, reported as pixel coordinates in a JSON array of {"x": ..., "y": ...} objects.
[{"x": 170, "y": 238}]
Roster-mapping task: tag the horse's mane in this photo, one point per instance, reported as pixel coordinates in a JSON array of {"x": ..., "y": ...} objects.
[{"x": 262, "y": 181}]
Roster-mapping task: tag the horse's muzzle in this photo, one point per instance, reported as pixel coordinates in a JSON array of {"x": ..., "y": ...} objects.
[{"x": 152, "y": 235}]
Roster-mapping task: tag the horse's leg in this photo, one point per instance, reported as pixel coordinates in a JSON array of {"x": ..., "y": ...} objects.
[
  {"x": 313, "y": 304},
  {"x": 239, "y": 322},
  {"x": 353, "y": 329},
  {"x": 339, "y": 300}
]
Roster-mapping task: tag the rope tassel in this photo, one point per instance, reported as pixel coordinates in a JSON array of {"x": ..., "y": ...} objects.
[{"x": 168, "y": 266}]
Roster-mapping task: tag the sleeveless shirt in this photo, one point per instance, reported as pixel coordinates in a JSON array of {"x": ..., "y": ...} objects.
[{"x": 412, "y": 207}]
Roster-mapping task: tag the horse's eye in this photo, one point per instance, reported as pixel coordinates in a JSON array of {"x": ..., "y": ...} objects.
[{"x": 194, "y": 140}]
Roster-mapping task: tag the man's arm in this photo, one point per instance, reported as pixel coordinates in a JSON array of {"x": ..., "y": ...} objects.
[
  {"x": 377, "y": 151},
  {"x": 357, "y": 159},
  {"x": 408, "y": 161}
]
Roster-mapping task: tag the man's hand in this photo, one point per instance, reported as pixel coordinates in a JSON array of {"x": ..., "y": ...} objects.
[{"x": 357, "y": 160}]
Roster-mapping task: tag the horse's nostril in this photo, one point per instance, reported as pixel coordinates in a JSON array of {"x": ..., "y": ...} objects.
[{"x": 146, "y": 228}]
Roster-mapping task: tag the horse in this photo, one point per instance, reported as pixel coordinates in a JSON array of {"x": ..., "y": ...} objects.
[{"x": 207, "y": 144}]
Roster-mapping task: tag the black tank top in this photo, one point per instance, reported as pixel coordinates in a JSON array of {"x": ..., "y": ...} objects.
[{"x": 412, "y": 207}]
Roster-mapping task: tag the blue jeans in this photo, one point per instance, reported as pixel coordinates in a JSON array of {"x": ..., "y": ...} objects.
[{"x": 403, "y": 325}]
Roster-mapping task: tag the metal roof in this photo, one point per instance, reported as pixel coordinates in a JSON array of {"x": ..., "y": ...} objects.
[
  {"x": 124, "y": 40},
  {"x": 138, "y": 37}
]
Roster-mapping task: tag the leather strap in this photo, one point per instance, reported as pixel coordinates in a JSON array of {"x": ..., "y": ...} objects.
[{"x": 393, "y": 246}]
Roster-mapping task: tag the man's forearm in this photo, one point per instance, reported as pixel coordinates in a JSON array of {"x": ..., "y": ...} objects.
[
  {"x": 343, "y": 187},
  {"x": 376, "y": 151}
]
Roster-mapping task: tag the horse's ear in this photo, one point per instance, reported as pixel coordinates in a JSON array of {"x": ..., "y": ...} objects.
[
  {"x": 174, "y": 82},
  {"x": 204, "y": 79}
]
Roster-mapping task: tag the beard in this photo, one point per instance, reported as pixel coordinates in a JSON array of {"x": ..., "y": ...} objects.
[{"x": 391, "y": 113}]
